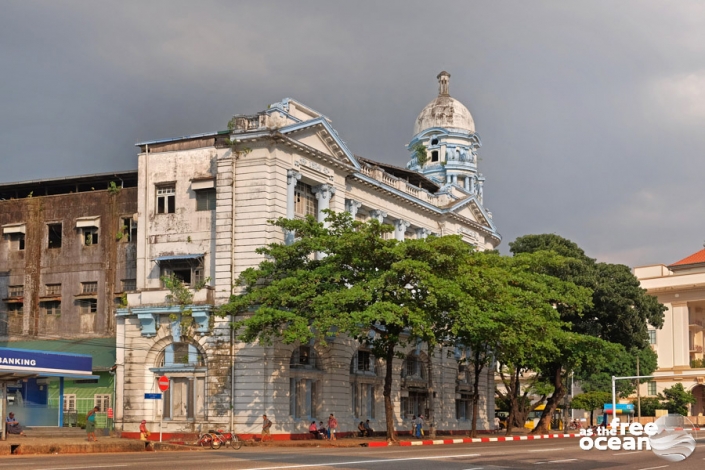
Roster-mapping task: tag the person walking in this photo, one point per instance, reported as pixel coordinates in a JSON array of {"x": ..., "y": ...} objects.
[
  {"x": 413, "y": 426},
  {"x": 419, "y": 426},
  {"x": 266, "y": 424},
  {"x": 144, "y": 435},
  {"x": 332, "y": 426},
  {"x": 90, "y": 424}
]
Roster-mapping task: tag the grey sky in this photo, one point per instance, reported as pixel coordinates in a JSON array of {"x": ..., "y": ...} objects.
[{"x": 591, "y": 113}]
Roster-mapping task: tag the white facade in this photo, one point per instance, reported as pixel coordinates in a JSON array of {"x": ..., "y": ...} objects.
[
  {"x": 679, "y": 344},
  {"x": 203, "y": 210}
]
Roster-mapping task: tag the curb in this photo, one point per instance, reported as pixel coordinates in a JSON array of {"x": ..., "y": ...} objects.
[{"x": 475, "y": 440}]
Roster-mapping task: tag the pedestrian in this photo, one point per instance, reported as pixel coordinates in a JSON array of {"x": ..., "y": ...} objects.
[
  {"x": 90, "y": 423},
  {"x": 368, "y": 428},
  {"x": 361, "y": 429},
  {"x": 266, "y": 424},
  {"x": 419, "y": 426},
  {"x": 144, "y": 435},
  {"x": 496, "y": 423},
  {"x": 12, "y": 426},
  {"x": 322, "y": 429},
  {"x": 413, "y": 426},
  {"x": 313, "y": 429},
  {"x": 332, "y": 426}
]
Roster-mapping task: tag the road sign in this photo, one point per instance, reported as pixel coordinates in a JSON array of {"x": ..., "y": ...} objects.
[
  {"x": 152, "y": 396},
  {"x": 163, "y": 383}
]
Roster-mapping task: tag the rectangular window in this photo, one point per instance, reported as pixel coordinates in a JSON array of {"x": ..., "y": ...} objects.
[
  {"x": 128, "y": 285},
  {"x": 651, "y": 389},
  {"x": 129, "y": 229},
  {"x": 88, "y": 306},
  {"x": 51, "y": 308},
  {"x": 15, "y": 309},
  {"x": 90, "y": 236},
  {"x": 652, "y": 336},
  {"x": 363, "y": 361},
  {"x": 89, "y": 287},
  {"x": 463, "y": 407},
  {"x": 54, "y": 235},
  {"x": 15, "y": 291},
  {"x": 166, "y": 199},
  {"x": 52, "y": 289},
  {"x": 17, "y": 241},
  {"x": 305, "y": 202},
  {"x": 69, "y": 402},
  {"x": 102, "y": 401},
  {"x": 205, "y": 199},
  {"x": 184, "y": 399}
]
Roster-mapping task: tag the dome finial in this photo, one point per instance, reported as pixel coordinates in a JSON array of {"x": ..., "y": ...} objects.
[{"x": 443, "y": 80}]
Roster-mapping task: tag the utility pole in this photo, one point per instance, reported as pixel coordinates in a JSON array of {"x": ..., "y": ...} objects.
[{"x": 638, "y": 393}]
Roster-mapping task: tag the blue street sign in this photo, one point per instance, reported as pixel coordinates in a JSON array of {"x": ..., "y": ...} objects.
[{"x": 152, "y": 396}]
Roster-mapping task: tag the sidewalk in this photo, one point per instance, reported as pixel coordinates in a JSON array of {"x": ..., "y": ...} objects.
[{"x": 19, "y": 445}]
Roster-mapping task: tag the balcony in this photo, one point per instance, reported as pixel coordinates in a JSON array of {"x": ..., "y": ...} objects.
[
  {"x": 694, "y": 324},
  {"x": 696, "y": 348}
]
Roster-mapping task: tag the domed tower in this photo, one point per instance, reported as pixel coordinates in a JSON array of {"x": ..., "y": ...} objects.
[{"x": 444, "y": 147}]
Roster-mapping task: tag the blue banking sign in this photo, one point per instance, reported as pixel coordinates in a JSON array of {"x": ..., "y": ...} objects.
[{"x": 45, "y": 362}]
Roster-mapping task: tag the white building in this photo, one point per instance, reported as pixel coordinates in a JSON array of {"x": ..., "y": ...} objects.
[
  {"x": 203, "y": 210},
  {"x": 679, "y": 344}
]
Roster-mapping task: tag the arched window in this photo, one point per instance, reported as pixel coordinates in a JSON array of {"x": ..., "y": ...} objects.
[
  {"x": 414, "y": 368},
  {"x": 304, "y": 383},
  {"x": 434, "y": 142}
]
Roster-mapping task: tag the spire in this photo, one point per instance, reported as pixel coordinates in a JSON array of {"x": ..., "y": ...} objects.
[{"x": 443, "y": 80}]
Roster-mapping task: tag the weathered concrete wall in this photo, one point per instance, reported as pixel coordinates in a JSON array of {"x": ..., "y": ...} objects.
[{"x": 108, "y": 262}]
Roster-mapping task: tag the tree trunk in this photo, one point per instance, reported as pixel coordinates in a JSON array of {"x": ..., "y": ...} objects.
[
  {"x": 388, "y": 407},
  {"x": 552, "y": 403},
  {"x": 431, "y": 399},
  {"x": 592, "y": 412},
  {"x": 511, "y": 398},
  {"x": 477, "y": 369}
]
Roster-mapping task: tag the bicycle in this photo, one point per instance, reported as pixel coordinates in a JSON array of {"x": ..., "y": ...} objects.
[{"x": 229, "y": 439}]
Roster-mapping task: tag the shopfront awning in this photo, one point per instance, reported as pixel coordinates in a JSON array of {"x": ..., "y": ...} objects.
[{"x": 23, "y": 363}]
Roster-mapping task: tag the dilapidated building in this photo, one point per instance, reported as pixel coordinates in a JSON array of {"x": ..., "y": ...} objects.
[
  {"x": 203, "y": 210},
  {"x": 67, "y": 257}
]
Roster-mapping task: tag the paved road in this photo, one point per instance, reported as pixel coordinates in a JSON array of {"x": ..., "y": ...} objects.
[{"x": 552, "y": 454}]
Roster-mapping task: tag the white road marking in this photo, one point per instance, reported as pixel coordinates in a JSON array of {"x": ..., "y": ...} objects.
[
  {"x": 435, "y": 457},
  {"x": 89, "y": 466},
  {"x": 652, "y": 468},
  {"x": 627, "y": 453},
  {"x": 555, "y": 461},
  {"x": 549, "y": 450}
]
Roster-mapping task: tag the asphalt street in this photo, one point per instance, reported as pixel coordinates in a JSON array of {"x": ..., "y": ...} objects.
[{"x": 550, "y": 454}]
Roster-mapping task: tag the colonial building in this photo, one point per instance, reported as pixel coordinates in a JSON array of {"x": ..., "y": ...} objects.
[
  {"x": 679, "y": 344},
  {"x": 203, "y": 209},
  {"x": 67, "y": 256}
]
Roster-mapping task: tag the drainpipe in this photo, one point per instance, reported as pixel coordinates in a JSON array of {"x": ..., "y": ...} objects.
[{"x": 232, "y": 375}]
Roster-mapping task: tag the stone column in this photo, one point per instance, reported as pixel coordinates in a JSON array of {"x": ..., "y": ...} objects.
[
  {"x": 378, "y": 214},
  {"x": 681, "y": 335},
  {"x": 352, "y": 206},
  {"x": 422, "y": 232},
  {"x": 292, "y": 176},
  {"x": 323, "y": 193},
  {"x": 467, "y": 183},
  {"x": 400, "y": 227}
]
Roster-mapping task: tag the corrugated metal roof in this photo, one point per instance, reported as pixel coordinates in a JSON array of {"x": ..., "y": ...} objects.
[
  {"x": 695, "y": 258},
  {"x": 101, "y": 349}
]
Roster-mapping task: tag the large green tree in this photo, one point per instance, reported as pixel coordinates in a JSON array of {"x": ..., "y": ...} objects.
[
  {"x": 618, "y": 316},
  {"x": 676, "y": 399},
  {"x": 348, "y": 278}
]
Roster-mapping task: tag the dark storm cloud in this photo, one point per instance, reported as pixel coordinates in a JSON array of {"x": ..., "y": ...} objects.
[{"x": 590, "y": 112}]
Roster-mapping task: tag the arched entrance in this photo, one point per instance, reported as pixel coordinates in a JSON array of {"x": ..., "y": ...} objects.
[{"x": 698, "y": 408}]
